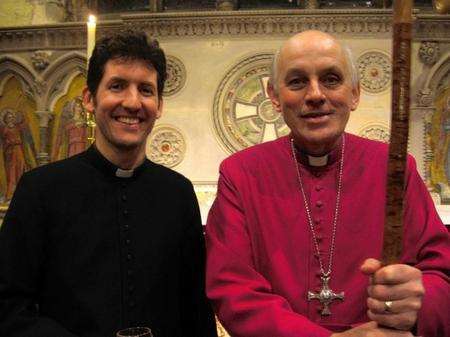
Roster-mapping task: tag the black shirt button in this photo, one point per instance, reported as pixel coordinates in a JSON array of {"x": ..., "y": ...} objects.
[
  {"x": 129, "y": 257},
  {"x": 127, "y": 241},
  {"x": 131, "y": 304},
  {"x": 131, "y": 288},
  {"x": 124, "y": 197},
  {"x": 125, "y": 212},
  {"x": 126, "y": 227},
  {"x": 129, "y": 272}
]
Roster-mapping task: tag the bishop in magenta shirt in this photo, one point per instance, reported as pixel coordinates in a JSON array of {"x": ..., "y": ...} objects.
[{"x": 261, "y": 256}]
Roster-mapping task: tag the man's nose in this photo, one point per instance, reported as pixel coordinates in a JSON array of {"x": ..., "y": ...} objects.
[
  {"x": 314, "y": 94},
  {"x": 132, "y": 99}
]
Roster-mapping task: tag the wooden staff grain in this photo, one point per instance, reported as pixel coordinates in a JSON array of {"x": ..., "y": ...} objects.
[{"x": 401, "y": 47}]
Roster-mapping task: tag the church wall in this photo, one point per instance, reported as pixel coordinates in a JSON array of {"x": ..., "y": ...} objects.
[{"x": 209, "y": 54}]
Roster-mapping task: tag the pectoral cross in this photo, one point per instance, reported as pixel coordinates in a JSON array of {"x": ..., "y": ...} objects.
[{"x": 325, "y": 296}]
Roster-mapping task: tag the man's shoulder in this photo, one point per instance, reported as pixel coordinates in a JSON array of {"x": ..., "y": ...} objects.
[
  {"x": 65, "y": 168},
  {"x": 366, "y": 146},
  {"x": 266, "y": 152},
  {"x": 164, "y": 174}
]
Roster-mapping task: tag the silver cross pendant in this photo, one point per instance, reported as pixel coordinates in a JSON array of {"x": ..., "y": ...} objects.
[{"x": 325, "y": 296}]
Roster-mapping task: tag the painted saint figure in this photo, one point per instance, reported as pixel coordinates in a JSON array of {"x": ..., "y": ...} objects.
[
  {"x": 71, "y": 136},
  {"x": 16, "y": 143}
]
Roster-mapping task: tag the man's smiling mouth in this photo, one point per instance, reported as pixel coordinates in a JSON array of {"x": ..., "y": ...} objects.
[{"x": 128, "y": 120}]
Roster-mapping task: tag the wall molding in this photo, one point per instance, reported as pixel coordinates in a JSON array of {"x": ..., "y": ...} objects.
[{"x": 352, "y": 22}]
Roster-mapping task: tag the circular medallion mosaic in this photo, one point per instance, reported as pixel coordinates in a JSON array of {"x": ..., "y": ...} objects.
[
  {"x": 176, "y": 76},
  {"x": 166, "y": 146},
  {"x": 375, "y": 70},
  {"x": 242, "y": 114},
  {"x": 375, "y": 132}
]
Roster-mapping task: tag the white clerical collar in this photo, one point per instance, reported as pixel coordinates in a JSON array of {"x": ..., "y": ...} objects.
[
  {"x": 318, "y": 161},
  {"x": 124, "y": 173}
]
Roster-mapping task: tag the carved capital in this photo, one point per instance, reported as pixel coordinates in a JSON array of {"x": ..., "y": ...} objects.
[
  {"x": 311, "y": 4},
  {"x": 429, "y": 52},
  {"x": 226, "y": 5},
  {"x": 45, "y": 117},
  {"x": 40, "y": 59},
  {"x": 424, "y": 98}
]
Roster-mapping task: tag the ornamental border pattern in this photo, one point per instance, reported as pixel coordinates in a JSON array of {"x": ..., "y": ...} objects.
[{"x": 353, "y": 23}]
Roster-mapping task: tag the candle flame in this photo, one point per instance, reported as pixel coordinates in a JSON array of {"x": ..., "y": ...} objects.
[{"x": 92, "y": 19}]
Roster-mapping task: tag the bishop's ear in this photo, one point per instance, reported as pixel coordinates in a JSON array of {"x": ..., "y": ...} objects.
[
  {"x": 88, "y": 100},
  {"x": 271, "y": 91}
]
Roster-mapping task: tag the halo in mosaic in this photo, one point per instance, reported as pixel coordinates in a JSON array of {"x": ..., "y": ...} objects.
[
  {"x": 242, "y": 113},
  {"x": 166, "y": 146},
  {"x": 176, "y": 76},
  {"x": 375, "y": 70},
  {"x": 376, "y": 131}
]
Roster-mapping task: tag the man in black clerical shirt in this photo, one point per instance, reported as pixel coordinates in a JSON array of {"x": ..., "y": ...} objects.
[{"x": 106, "y": 239}]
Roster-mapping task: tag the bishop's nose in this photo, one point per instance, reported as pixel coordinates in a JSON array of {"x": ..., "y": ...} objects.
[{"x": 314, "y": 95}]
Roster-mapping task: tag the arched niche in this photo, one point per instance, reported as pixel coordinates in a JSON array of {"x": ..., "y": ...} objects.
[
  {"x": 436, "y": 93},
  {"x": 68, "y": 128},
  {"x": 19, "y": 125}
]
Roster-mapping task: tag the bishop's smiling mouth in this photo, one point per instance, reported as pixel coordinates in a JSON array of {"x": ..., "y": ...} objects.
[
  {"x": 313, "y": 115},
  {"x": 128, "y": 120}
]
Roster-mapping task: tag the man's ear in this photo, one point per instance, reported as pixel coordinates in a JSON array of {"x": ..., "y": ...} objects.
[
  {"x": 160, "y": 108},
  {"x": 88, "y": 101},
  {"x": 356, "y": 92},
  {"x": 273, "y": 97}
]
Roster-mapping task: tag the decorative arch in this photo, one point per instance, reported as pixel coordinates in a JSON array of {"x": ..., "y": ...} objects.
[
  {"x": 61, "y": 73},
  {"x": 68, "y": 128},
  {"x": 435, "y": 93},
  {"x": 19, "y": 125},
  {"x": 19, "y": 68}
]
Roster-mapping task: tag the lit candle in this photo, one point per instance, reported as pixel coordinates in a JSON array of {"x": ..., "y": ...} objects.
[{"x": 90, "y": 36}]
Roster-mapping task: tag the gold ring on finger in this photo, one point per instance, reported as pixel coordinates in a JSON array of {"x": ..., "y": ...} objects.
[{"x": 388, "y": 306}]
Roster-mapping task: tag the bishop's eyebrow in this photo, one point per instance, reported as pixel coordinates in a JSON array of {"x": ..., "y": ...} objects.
[{"x": 294, "y": 72}]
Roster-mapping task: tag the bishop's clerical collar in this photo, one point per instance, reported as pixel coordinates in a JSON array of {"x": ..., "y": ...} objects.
[{"x": 318, "y": 162}]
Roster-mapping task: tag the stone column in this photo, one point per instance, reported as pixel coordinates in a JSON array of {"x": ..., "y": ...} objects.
[
  {"x": 156, "y": 6},
  {"x": 44, "y": 118},
  {"x": 226, "y": 5}
]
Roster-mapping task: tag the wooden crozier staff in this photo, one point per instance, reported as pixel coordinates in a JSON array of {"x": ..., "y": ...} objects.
[{"x": 401, "y": 46}]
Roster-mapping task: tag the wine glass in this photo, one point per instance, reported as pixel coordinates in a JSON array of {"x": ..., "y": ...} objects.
[{"x": 135, "y": 332}]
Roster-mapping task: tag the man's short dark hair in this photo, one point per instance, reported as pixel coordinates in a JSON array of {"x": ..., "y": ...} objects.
[{"x": 126, "y": 45}]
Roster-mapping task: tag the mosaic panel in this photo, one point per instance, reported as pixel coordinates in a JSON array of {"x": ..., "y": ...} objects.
[
  {"x": 166, "y": 146},
  {"x": 242, "y": 114},
  {"x": 378, "y": 132},
  {"x": 176, "y": 76},
  {"x": 375, "y": 71}
]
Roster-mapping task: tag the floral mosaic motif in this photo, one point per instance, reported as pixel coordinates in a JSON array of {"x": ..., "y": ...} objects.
[
  {"x": 429, "y": 52},
  {"x": 40, "y": 59},
  {"x": 375, "y": 70},
  {"x": 375, "y": 132},
  {"x": 243, "y": 114},
  {"x": 166, "y": 146},
  {"x": 176, "y": 76}
]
